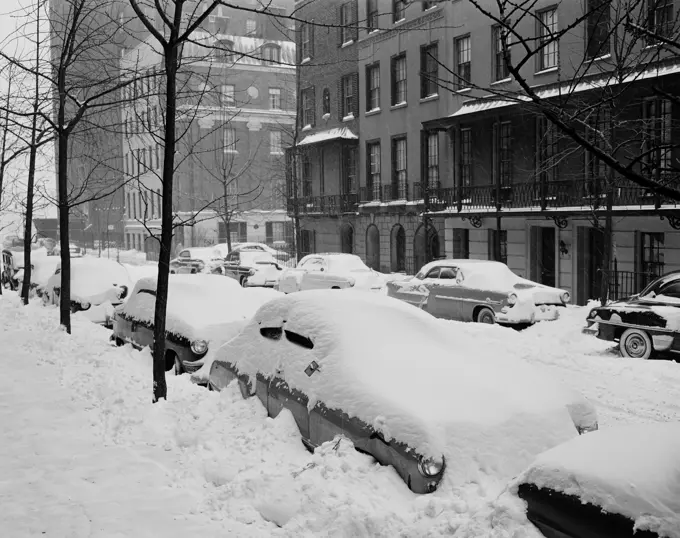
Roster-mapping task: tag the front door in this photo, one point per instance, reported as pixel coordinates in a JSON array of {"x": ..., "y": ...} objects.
[
  {"x": 590, "y": 254},
  {"x": 543, "y": 256}
]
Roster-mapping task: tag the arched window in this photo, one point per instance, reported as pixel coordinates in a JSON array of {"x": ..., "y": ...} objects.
[
  {"x": 326, "y": 101},
  {"x": 347, "y": 238},
  {"x": 373, "y": 247},
  {"x": 398, "y": 249},
  {"x": 271, "y": 55},
  {"x": 425, "y": 251}
]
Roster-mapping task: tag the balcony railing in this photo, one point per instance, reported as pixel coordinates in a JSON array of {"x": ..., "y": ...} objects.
[{"x": 333, "y": 204}]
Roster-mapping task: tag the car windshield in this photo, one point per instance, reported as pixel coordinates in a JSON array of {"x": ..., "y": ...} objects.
[
  {"x": 346, "y": 263},
  {"x": 668, "y": 285}
]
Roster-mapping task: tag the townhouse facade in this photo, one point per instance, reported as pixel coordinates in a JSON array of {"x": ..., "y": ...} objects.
[
  {"x": 236, "y": 114},
  {"x": 455, "y": 162}
]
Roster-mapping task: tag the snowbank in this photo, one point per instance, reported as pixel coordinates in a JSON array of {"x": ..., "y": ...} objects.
[
  {"x": 412, "y": 379},
  {"x": 633, "y": 471}
]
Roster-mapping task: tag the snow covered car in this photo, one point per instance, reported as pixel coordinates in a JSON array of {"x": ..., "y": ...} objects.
[
  {"x": 479, "y": 290},
  {"x": 203, "y": 312},
  {"x": 409, "y": 391},
  {"x": 330, "y": 271},
  {"x": 74, "y": 250},
  {"x": 98, "y": 285},
  {"x": 8, "y": 274},
  {"x": 42, "y": 268},
  {"x": 279, "y": 255},
  {"x": 622, "y": 482},
  {"x": 252, "y": 268},
  {"x": 643, "y": 324},
  {"x": 197, "y": 260}
]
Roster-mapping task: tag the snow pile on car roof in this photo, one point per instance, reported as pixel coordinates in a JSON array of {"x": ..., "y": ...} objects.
[
  {"x": 202, "y": 306},
  {"x": 411, "y": 377},
  {"x": 633, "y": 471}
]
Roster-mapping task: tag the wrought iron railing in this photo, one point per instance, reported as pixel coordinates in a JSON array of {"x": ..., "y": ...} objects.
[{"x": 333, "y": 204}]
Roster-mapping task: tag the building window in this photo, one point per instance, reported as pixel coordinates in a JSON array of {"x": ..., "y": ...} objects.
[
  {"x": 225, "y": 50},
  {"x": 398, "y": 10},
  {"x": 659, "y": 19},
  {"x": 275, "y": 143},
  {"x": 349, "y": 169},
  {"x": 251, "y": 26},
  {"x": 347, "y": 23},
  {"x": 463, "y": 62},
  {"x": 498, "y": 249},
  {"x": 465, "y": 159},
  {"x": 306, "y": 49},
  {"x": 548, "y": 40},
  {"x": 326, "y": 104},
  {"x": 153, "y": 206},
  {"x": 432, "y": 159},
  {"x": 428, "y": 5},
  {"x": 429, "y": 69},
  {"x": 546, "y": 150},
  {"x": 500, "y": 66},
  {"x": 399, "y": 79},
  {"x": 399, "y": 171},
  {"x": 373, "y": 87},
  {"x": 347, "y": 86},
  {"x": 502, "y": 169},
  {"x": 597, "y": 28},
  {"x": 651, "y": 256},
  {"x": 229, "y": 140},
  {"x": 306, "y": 175},
  {"x": 372, "y": 15},
  {"x": 308, "y": 107},
  {"x": 275, "y": 98},
  {"x": 374, "y": 180},
  {"x": 658, "y": 146},
  {"x": 599, "y": 135},
  {"x": 271, "y": 55},
  {"x": 228, "y": 95}
]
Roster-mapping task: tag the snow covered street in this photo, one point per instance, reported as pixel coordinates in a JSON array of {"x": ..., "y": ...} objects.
[{"x": 86, "y": 453}]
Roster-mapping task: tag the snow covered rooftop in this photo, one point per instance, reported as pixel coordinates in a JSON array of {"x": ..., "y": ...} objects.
[{"x": 328, "y": 135}]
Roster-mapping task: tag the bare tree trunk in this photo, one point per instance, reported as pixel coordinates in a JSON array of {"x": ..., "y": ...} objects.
[
  {"x": 4, "y": 142},
  {"x": 62, "y": 181}
]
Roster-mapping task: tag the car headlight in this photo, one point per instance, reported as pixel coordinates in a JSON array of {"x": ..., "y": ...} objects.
[
  {"x": 199, "y": 346},
  {"x": 251, "y": 271},
  {"x": 429, "y": 466},
  {"x": 85, "y": 306},
  {"x": 565, "y": 297},
  {"x": 351, "y": 281},
  {"x": 512, "y": 298}
]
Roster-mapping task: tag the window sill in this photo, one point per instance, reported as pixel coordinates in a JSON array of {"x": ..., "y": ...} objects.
[
  {"x": 400, "y": 21},
  {"x": 546, "y": 71},
  {"x": 502, "y": 81},
  {"x": 374, "y": 31},
  {"x": 347, "y": 43},
  {"x": 305, "y": 60},
  {"x": 326, "y": 116},
  {"x": 430, "y": 8},
  {"x": 399, "y": 105},
  {"x": 306, "y": 128},
  {"x": 601, "y": 58},
  {"x": 373, "y": 112},
  {"x": 463, "y": 90},
  {"x": 349, "y": 117},
  {"x": 230, "y": 151},
  {"x": 429, "y": 98}
]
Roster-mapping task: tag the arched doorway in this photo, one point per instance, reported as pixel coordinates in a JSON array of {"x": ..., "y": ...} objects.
[
  {"x": 347, "y": 238},
  {"x": 420, "y": 254},
  {"x": 398, "y": 249},
  {"x": 373, "y": 247}
]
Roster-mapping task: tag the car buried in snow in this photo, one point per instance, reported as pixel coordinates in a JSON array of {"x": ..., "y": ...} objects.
[
  {"x": 479, "y": 290},
  {"x": 410, "y": 392},
  {"x": 622, "y": 482},
  {"x": 254, "y": 268},
  {"x": 203, "y": 312},
  {"x": 644, "y": 325},
  {"x": 98, "y": 285},
  {"x": 197, "y": 260},
  {"x": 330, "y": 271}
]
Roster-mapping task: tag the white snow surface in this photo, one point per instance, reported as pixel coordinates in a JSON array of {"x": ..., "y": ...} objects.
[
  {"x": 86, "y": 453},
  {"x": 411, "y": 377},
  {"x": 633, "y": 471}
]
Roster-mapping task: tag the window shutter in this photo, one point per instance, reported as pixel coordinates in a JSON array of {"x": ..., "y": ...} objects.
[
  {"x": 354, "y": 32},
  {"x": 340, "y": 98},
  {"x": 311, "y": 38},
  {"x": 355, "y": 93},
  {"x": 313, "y": 97},
  {"x": 393, "y": 86},
  {"x": 268, "y": 233},
  {"x": 423, "y": 77},
  {"x": 393, "y": 172}
]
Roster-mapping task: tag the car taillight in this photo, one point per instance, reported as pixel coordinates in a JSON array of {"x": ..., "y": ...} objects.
[{"x": 565, "y": 297}]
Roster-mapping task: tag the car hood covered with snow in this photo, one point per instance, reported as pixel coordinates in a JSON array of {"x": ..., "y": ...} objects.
[
  {"x": 633, "y": 471},
  {"x": 95, "y": 281},
  {"x": 410, "y": 377}
]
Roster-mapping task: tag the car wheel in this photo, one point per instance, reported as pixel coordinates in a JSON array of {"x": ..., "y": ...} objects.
[
  {"x": 119, "y": 342},
  {"x": 635, "y": 344},
  {"x": 486, "y": 315},
  {"x": 179, "y": 370},
  {"x": 335, "y": 287}
]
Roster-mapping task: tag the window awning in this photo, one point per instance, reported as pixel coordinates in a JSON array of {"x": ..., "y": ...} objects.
[
  {"x": 481, "y": 105},
  {"x": 328, "y": 135}
]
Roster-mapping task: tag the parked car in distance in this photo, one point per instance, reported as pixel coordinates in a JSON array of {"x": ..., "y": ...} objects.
[
  {"x": 403, "y": 392},
  {"x": 75, "y": 251},
  {"x": 252, "y": 268},
  {"x": 479, "y": 290},
  {"x": 644, "y": 324},
  {"x": 279, "y": 255},
  {"x": 330, "y": 271},
  {"x": 98, "y": 285},
  {"x": 197, "y": 260},
  {"x": 622, "y": 482},
  {"x": 203, "y": 312}
]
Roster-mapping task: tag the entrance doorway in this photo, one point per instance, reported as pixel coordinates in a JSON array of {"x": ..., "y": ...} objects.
[
  {"x": 543, "y": 258},
  {"x": 589, "y": 257}
]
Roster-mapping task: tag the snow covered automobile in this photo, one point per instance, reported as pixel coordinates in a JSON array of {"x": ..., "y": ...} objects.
[
  {"x": 409, "y": 391},
  {"x": 479, "y": 290},
  {"x": 98, "y": 285},
  {"x": 197, "y": 260},
  {"x": 42, "y": 268},
  {"x": 279, "y": 255},
  {"x": 622, "y": 482},
  {"x": 330, "y": 271},
  {"x": 8, "y": 274},
  {"x": 203, "y": 312},
  {"x": 252, "y": 268},
  {"x": 643, "y": 324},
  {"x": 74, "y": 250}
]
